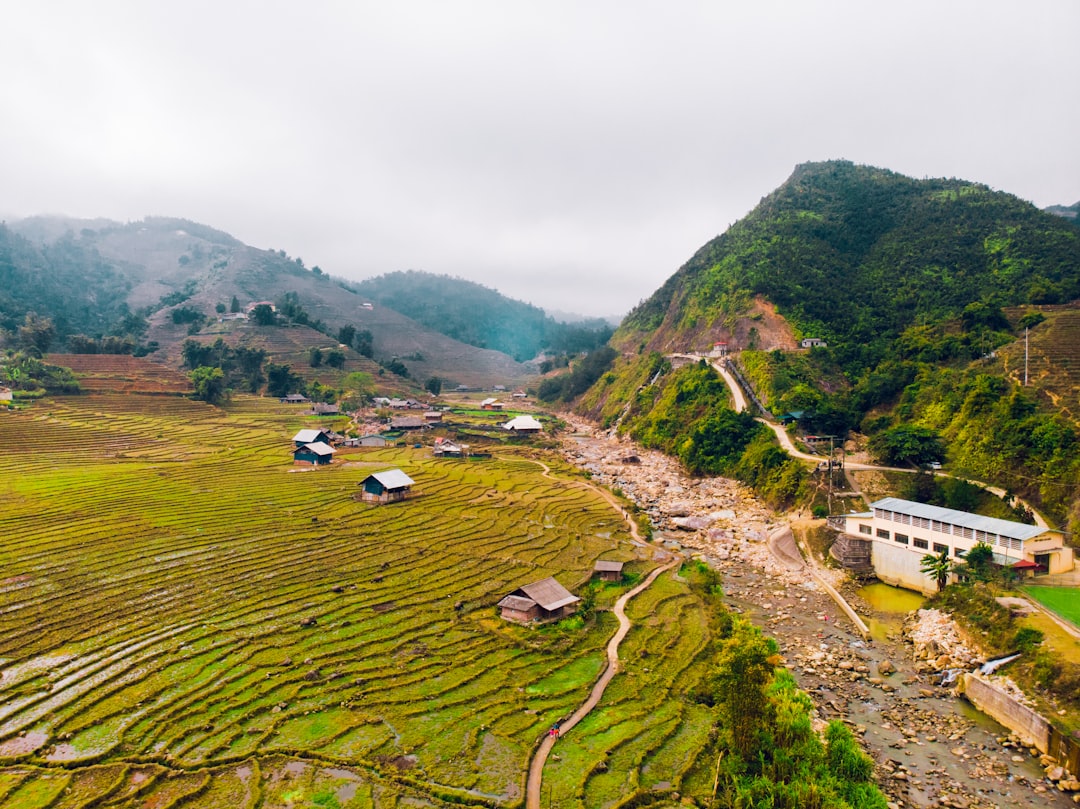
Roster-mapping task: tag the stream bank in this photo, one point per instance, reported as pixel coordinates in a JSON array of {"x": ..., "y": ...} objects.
[{"x": 930, "y": 748}]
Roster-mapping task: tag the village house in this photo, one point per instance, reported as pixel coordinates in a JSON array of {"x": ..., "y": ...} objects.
[
  {"x": 894, "y": 536},
  {"x": 295, "y": 398},
  {"x": 251, "y": 306},
  {"x": 607, "y": 570},
  {"x": 325, "y": 409},
  {"x": 523, "y": 424},
  {"x": 6, "y": 395},
  {"x": 316, "y": 453},
  {"x": 433, "y": 415},
  {"x": 812, "y": 342},
  {"x": 719, "y": 349},
  {"x": 372, "y": 441},
  {"x": 491, "y": 403},
  {"x": 408, "y": 423},
  {"x": 519, "y": 394},
  {"x": 544, "y": 600},
  {"x": 311, "y": 437},
  {"x": 445, "y": 448},
  {"x": 386, "y": 487}
]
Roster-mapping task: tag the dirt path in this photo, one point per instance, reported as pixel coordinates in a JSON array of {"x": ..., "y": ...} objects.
[
  {"x": 789, "y": 447},
  {"x": 635, "y": 532},
  {"x": 536, "y": 768}
]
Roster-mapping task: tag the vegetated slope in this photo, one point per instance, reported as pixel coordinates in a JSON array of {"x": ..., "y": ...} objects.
[
  {"x": 66, "y": 280},
  {"x": 907, "y": 281},
  {"x": 168, "y": 263},
  {"x": 854, "y": 255},
  {"x": 480, "y": 316}
]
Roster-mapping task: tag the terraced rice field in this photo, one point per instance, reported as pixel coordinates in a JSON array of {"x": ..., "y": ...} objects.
[
  {"x": 1053, "y": 358},
  {"x": 120, "y": 373},
  {"x": 187, "y": 619},
  {"x": 646, "y": 736}
]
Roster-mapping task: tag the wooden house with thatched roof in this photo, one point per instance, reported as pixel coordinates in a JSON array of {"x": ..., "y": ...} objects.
[
  {"x": 607, "y": 570},
  {"x": 544, "y": 600}
]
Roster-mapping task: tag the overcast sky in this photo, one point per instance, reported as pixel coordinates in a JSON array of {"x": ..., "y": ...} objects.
[{"x": 572, "y": 154}]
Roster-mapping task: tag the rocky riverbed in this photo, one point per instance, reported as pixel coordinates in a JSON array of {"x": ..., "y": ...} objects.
[{"x": 931, "y": 748}]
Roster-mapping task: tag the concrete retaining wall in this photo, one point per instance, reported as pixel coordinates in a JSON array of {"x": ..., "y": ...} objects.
[
  {"x": 896, "y": 565},
  {"x": 1020, "y": 719}
]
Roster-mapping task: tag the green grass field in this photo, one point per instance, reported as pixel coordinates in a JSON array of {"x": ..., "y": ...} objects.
[
  {"x": 1065, "y": 601},
  {"x": 186, "y": 617}
]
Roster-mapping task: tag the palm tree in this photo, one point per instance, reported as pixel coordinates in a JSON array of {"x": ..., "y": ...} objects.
[{"x": 939, "y": 567}]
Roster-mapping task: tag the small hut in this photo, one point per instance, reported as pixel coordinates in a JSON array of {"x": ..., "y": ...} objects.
[
  {"x": 386, "y": 487},
  {"x": 607, "y": 570},
  {"x": 523, "y": 424},
  {"x": 544, "y": 600},
  {"x": 316, "y": 453}
]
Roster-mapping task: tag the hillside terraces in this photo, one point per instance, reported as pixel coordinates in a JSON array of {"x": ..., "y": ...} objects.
[
  {"x": 1053, "y": 358},
  {"x": 292, "y": 346},
  {"x": 175, "y": 592},
  {"x": 121, "y": 373}
]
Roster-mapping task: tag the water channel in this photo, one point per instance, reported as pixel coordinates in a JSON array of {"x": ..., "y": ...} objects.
[{"x": 891, "y": 605}]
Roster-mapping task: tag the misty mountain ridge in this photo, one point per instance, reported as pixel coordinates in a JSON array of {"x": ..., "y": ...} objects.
[{"x": 101, "y": 277}]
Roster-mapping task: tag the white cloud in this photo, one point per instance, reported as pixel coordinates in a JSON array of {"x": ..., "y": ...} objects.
[{"x": 541, "y": 148}]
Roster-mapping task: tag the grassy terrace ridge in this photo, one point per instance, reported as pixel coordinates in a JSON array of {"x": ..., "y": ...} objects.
[{"x": 186, "y": 616}]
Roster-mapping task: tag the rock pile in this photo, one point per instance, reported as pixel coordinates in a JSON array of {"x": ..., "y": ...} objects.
[{"x": 937, "y": 643}]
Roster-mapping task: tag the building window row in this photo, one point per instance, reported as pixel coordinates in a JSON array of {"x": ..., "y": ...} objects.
[{"x": 986, "y": 537}]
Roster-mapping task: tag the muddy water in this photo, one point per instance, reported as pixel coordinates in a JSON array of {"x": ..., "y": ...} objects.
[{"x": 891, "y": 605}]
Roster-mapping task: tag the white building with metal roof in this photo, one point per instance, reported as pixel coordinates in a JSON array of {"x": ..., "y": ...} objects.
[{"x": 900, "y": 533}]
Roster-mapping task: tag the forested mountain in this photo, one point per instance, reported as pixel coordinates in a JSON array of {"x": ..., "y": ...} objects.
[
  {"x": 918, "y": 287},
  {"x": 65, "y": 280},
  {"x": 160, "y": 280},
  {"x": 480, "y": 316}
]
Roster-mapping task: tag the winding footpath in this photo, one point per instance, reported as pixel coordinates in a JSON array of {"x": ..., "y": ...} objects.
[
  {"x": 739, "y": 401},
  {"x": 536, "y": 768}
]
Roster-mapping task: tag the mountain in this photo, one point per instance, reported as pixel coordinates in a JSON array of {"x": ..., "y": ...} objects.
[
  {"x": 1070, "y": 212},
  {"x": 921, "y": 290},
  {"x": 161, "y": 274},
  {"x": 480, "y": 316},
  {"x": 854, "y": 255}
]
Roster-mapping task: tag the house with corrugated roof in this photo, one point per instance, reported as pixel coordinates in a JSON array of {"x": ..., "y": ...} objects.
[
  {"x": 544, "y": 600},
  {"x": 386, "y": 487},
  {"x": 317, "y": 453},
  {"x": 523, "y": 424},
  {"x": 311, "y": 437}
]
